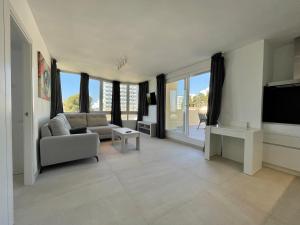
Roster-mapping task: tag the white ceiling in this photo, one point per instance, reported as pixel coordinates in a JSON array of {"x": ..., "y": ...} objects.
[{"x": 156, "y": 36}]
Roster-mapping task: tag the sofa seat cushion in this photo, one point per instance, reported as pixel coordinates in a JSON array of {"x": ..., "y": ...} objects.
[
  {"x": 103, "y": 130},
  {"x": 58, "y": 127},
  {"x": 96, "y": 119},
  {"x": 76, "y": 120}
]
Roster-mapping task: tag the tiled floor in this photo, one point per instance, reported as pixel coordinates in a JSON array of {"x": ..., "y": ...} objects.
[
  {"x": 164, "y": 184},
  {"x": 194, "y": 132}
]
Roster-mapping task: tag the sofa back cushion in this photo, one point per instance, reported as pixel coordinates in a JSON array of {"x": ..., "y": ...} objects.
[
  {"x": 64, "y": 118},
  {"x": 58, "y": 127},
  {"x": 76, "y": 120},
  {"x": 96, "y": 119}
]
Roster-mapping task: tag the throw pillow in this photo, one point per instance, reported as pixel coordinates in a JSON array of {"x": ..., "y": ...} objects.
[{"x": 81, "y": 130}]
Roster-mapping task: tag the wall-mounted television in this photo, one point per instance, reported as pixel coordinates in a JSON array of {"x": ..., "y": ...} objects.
[
  {"x": 151, "y": 98},
  {"x": 281, "y": 104}
]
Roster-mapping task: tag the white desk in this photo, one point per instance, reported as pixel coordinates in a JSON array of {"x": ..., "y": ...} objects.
[{"x": 252, "y": 145}]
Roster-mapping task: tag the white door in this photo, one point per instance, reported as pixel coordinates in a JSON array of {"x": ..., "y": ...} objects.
[{"x": 22, "y": 101}]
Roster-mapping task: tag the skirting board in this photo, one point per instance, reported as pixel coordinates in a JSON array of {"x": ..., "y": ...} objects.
[
  {"x": 186, "y": 143},
  {"x": 282, "y": 169}
]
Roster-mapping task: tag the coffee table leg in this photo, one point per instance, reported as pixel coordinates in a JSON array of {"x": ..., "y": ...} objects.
[
  {"x": 138, "y": 143},
  {"x": 123, "y": 147}
]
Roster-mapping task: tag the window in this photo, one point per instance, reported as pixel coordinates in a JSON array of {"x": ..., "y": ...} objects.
[
  {"x": 133, "y": 101},
  {"x": 133, "y": 97},
  {"x": 70, "y": 86},
  {"x": 129, "y": 101},
  {"x": 100, "y": 92},
  {"x": 107, "y": 96},
  {"x": 94, "y": 91},
  {"x": 123, "y": 97}
]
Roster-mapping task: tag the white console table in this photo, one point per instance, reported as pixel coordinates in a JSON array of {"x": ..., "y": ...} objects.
[{"x": 253, "y": 140}]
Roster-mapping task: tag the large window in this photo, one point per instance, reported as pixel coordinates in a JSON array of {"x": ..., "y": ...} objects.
[
  {"x": 94, "y": 91},
  {"x": 123, "y": 97},
  {"x": 100, "y": 96},
  {"x": 133, "y": 97},
  {"x": 107, "y": 96},
  {"x": 175, "y": 106},
  {"x": 70, "y": 85},
  {"x": 129, "y": 101}
]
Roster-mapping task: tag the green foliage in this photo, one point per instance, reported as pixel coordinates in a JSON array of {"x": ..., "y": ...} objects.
[
  {"x": 199, "y": 100},
  {"x": 71, "y": 104}
]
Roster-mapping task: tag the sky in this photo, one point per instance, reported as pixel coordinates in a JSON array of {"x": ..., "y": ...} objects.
[
  {"x": 197, "y": 83},
  {"x": 70, "y": 85}
]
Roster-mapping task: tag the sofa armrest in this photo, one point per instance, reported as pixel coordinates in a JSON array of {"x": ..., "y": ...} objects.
[{"x": 57, "y": 149}]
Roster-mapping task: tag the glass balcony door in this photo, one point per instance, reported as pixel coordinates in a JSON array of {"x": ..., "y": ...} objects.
[
  {"x": 186, "y": 106},
  {"x": 197, "y": 107},
  {"x": 175, "y": 106}
]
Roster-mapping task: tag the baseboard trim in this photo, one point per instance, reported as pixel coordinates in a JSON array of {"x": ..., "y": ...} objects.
[
  {"x": 282, "y": 169},
  {"x": 186, "y": 143}
]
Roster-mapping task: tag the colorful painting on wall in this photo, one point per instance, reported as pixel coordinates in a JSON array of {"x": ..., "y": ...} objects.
[{"x": 44, "y": 78}]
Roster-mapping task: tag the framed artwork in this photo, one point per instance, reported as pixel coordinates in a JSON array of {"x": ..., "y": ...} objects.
[{"x": 44, "y": 78}]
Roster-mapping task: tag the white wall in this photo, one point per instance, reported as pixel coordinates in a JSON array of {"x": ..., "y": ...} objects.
[
  {"x": 242, "y": 93},
  {"x": 41, "y": 108},
  {"x": 283, "y": 66},
  {"x": 242, "y": 89}
]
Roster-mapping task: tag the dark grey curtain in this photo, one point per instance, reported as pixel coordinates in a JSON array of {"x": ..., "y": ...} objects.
[
  {"x": 116, "y": 104},
  {"x": 143, "y": 104},
  {"x": 217, "y": 76},
  {"x": 84, "y": 96},
  {"x": 56, "y": 99},
  {"x": 161, "y": 105}
]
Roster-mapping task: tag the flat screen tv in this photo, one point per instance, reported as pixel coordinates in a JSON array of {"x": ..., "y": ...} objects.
[
  {"x": 151, "y": 98},
  {"x": 281, "y": 104}
]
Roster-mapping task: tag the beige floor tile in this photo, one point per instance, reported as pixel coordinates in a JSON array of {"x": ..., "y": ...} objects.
[
  {"x": 207, "y": 208},
  {"x": 118, "y": 209},
  {"x": 165, "y": 183}
]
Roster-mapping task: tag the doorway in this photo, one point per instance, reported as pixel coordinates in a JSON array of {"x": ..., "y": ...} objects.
[
  {"x": 21, "y": 100},
  {"x": 186, "y": 107}
]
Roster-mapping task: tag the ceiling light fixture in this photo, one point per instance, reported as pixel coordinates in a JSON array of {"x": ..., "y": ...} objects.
[{"x": 122, "y": 62}]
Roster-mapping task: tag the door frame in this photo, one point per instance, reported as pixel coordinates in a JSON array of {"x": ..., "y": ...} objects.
[
  {"x": 6, "y": 184},
  {"x": 29, "y": 176}
]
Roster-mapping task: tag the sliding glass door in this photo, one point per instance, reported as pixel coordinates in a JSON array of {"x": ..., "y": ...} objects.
[
  {"x": 175, "y": 106},
  {"x": 186, "y": 105}
]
